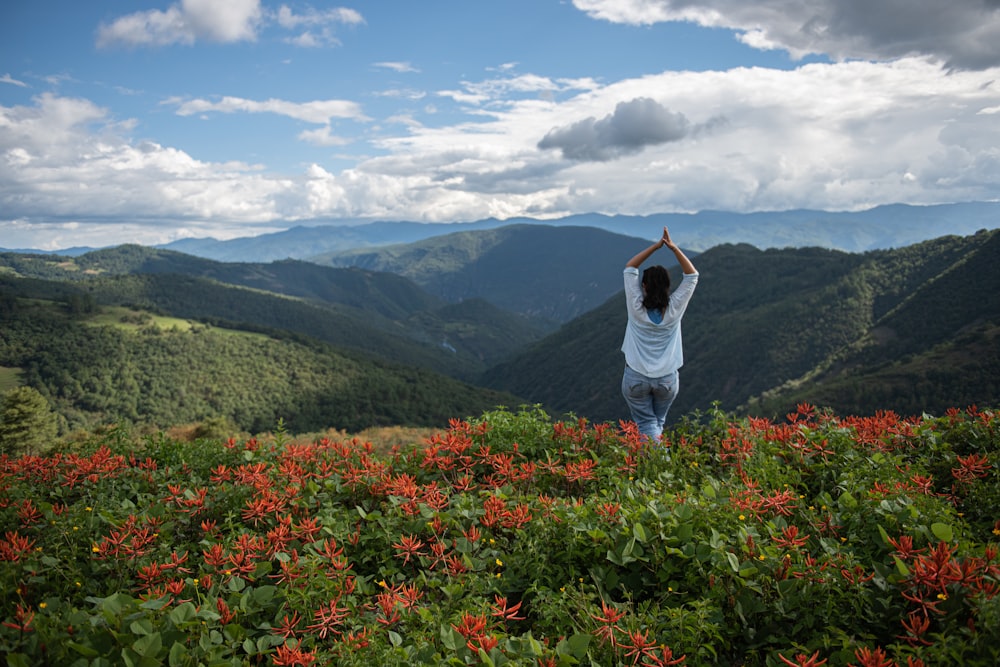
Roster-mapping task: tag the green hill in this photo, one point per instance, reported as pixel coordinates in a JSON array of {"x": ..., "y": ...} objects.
[
  {"x": 374, "y": 312},
  {"x": 99, "y": 365},
  {"x": 848, "y": 331}
]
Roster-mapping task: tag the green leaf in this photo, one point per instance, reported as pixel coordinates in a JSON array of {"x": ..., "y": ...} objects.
[
  {"x": 901, "y": 566},
  {"x": 148, "y": 646},
  {"x": 575, "y": 646},
  {"x": 942, "y": 531},
  {"x": 178, "y": 655},
  {"x": 451, "y": 639},
  {"x": 395, "y": 639},
  {"x": 683, "y": 512},
  {"x": 83, "y": 650},
  {"x": 848, "y": 501},
  {"x": 182, "y": 613},
  {"x": 639, "y": 532},
  {"x": 734, "y": 562}
]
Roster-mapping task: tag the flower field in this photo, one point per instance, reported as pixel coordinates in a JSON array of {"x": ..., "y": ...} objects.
[{"x": 511, "y": 539}]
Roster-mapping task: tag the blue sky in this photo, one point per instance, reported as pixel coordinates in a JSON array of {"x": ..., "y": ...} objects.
[{"x": 125, "y": 121}]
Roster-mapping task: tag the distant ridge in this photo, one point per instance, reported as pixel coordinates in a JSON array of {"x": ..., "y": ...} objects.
[
  {"x": 882, "y": 227},
  {"x": 878, "y": 228}
]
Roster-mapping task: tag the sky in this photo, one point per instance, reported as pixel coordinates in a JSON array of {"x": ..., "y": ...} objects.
[{"x": 142, "y": 121}]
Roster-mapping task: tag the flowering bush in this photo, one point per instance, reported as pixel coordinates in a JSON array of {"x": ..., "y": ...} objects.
[{"x": 514, "y": 540}]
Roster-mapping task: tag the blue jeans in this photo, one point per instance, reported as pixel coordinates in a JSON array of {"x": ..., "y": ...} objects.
[{"x": 649, "y": 399}]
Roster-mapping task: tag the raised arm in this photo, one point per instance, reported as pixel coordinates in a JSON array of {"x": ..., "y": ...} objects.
[
  {"x": 686, "y": 266},
  {"x": 640, "y": 257}
]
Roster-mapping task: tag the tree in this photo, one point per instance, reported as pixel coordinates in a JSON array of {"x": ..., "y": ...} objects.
[{"x": 27, "y": 424}]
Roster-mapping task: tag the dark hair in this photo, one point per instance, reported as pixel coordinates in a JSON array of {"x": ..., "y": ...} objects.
[{"x": 656, "y": 282}]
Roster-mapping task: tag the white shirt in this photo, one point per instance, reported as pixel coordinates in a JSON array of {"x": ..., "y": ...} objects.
[{"x": 655, "y": 349}]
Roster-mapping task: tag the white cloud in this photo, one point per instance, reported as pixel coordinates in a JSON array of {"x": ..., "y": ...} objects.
[
  {"x": 287, "y": 18},
  {"x": 323, "y": 137},
  {"x": 832, "y": 136},
  {"x": 67, "y": 158},
  {"x": 319, "y": 111},
  {"x": 401, "y": 67},
  {"x": 184, "y": 23},
  {"x": 7, "y": 78},
  {"x": 223, "y": 21},
  {"x": 963, "y": 34}
]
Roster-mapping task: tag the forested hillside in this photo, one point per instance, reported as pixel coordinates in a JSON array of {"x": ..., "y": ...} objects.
[
  {"x": 856, "y": 332},
  {"x": 912, "y": 329},
  {"x": 374, "y": 312},
  {"x": 99, "y": 365},
  {"x": 556, "y": 273}
]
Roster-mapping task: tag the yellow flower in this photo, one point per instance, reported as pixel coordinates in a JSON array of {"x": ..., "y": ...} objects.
[
  {"x": 76, "y": 527},
  {"x": 499, "y": 563},
  {"x": 95, "y": 549},
  {"x": 382, "y": 583},
  {"x": 743, "y": 517},
  {"x": 88, "y": 509},
  {"x": 996, "y": 531},
  {"x": 942, "y": 596},
  {"x": 42, "y": 605},
  {"x": 694, "y": 464},
  {"x": 78, "y": 584},
  {"x": 812, "y": 507},
  {"x": 194, "y": 581},
  {"x": 760, "y": 557},
  {"x": 562, "y": 589}
]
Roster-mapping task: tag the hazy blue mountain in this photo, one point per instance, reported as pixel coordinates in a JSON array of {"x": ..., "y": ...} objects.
[{"x": 890, "y": 226}]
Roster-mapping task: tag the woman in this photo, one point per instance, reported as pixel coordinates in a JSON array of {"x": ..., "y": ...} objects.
[{"x": 652, "y": 344}]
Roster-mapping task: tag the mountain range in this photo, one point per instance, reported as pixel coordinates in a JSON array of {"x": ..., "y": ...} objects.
[
  {"x": 533, "y": 313},
  {"x": 880, "y": 227}
]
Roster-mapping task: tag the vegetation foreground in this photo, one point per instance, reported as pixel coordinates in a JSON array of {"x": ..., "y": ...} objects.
[{"x": 511, "y": 539}]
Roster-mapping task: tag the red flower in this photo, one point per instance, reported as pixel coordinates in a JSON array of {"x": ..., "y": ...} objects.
[
  {"x": 876, "y": 658},
  {"x": 287, "y": 628},
  {"x": 803, "y": 660},
  {"x": 22, "y": 619},
  {"x": 790, "y": 538},
  {"x": 293, "y": 656},
  {"x": 664, "y": 659},
  {"x": 328, "y": 619},
  {"x": 409, "y": 547},
  {"x": 609, "y": 620},
  {"x": 501, "y": 610},
  {"x": 470, "y": 626},
  {"x": 640, "y": 645},
  {"x": 226, "y": 616}
]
